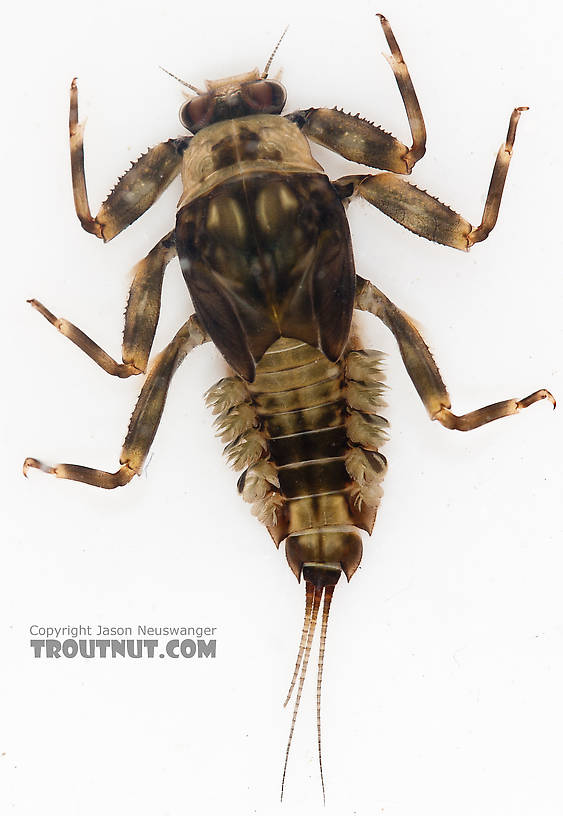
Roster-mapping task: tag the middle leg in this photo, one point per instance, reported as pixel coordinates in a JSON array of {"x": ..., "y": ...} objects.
[
  {"x": 141, "y": 316},
  {"x": 423, "y": 371},
  {"x": 423, "y": 214}
]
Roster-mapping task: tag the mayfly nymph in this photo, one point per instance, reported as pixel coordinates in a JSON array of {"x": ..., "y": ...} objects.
[{"x": 264, "y": 247}]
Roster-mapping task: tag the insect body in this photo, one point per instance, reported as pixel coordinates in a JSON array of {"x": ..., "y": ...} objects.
[{"x": 264, "y": 247}]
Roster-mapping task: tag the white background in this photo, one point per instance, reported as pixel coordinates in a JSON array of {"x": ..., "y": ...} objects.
[{"x": 444, "y": 666}]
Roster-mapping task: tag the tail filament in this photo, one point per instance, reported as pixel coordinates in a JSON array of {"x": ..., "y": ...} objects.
[
  {"x": 313, "y": 596},
  {"x": 326, "y": 609},
  {"x": 312, "y": 624},
  {"x": 309, "y": 591}
]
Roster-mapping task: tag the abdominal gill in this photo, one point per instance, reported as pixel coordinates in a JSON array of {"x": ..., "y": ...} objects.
[{"x": 313, "y": 596}]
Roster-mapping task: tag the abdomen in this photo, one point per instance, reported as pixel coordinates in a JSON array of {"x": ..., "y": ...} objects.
[{"x": 315, "y": 468}]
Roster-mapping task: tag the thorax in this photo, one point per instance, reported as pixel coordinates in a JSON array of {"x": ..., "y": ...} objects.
[{"x": 245, "y": 145}]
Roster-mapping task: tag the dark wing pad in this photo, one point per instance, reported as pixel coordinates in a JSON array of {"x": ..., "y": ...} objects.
[{"x": 264, "y": 255}]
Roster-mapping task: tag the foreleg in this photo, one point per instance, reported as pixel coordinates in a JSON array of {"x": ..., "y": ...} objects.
[
  {"x": 365, "y": 143},
  {"x": 135, "y": 191},
  {"x": 423, "y": 371},
  {"x": 145, "y": 420}
]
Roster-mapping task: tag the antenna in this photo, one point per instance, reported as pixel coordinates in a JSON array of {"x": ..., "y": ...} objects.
[
  {"x": 273, "y": 54},
  {"x": 183, "y": 81}
]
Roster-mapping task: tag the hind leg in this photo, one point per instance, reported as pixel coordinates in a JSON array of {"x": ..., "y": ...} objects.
[
  {"x": 423, "y": 371},
  {"x": 144, "y": 422}
]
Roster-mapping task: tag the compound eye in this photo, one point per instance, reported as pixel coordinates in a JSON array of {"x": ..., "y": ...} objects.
[
  {"x": 264, "y": 95},
  {"x": 197, "y": 113}
]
